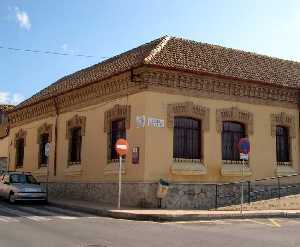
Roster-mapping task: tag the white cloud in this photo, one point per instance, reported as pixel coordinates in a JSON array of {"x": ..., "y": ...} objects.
[
  {"x": 23, "y": 19},
  {"x": 11, "y": 98},
  {"x": 65, "y": 48}
]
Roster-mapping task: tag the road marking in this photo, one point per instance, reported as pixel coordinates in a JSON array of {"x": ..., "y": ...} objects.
[
  {"x": 23, "y": 214},
  {"x": 38, "y": 211},
  {"x": 262, "y": 223},
  {"x": 66, "y": 217},
  {"x": 66, "y": 211},
  {"x": 37, "y": 218},
  {"x": 275, "y": 223},
  {"x": 7, "y": 219},
  {"x": 217, "y": 222}
]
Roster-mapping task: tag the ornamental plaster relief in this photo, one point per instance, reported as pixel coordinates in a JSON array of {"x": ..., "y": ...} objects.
[
  {"x": 237, "y": 115},
  {"x": 283, "y": 119},
  {"x": 188, "y": 109},
  {"x": 21, "y": 134},
  {"x": 219, "y": 88},
  {"x": 161, "y": 80},
  {"x": 44, "y": 129},
  {"x": 76, "y": 121},
  {"x": 117, "y": 112}
]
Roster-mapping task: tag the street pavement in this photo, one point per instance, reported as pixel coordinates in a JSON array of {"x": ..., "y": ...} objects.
[{"x": 46, "y": 226}]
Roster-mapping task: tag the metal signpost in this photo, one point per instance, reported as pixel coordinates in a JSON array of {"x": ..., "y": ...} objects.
[
  {"x": 121, "y": 149},
  {"x": 244, "y": 148}
]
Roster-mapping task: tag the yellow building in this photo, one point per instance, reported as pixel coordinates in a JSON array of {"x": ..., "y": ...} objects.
[
  {"x": 182, "y": 105},
  {"x": 4, "y": 139}
]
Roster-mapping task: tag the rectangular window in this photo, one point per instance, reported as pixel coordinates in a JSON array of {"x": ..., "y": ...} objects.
[
  {"x": 43, "y": 159},
  {"x": 20, "y": 152},
  {"x": 282, "y": 144},
  {"x": 186, "y": 138},
  {"x": 75, "y": 145},
  {"x": 118, "y": 130}
]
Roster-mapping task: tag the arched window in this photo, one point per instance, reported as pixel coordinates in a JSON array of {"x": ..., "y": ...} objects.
[
  {"x": 232, "y": 132},
  {"x": 282, "y": 144},
  {"x": 187, "y": 138},
  {"x": 20, "y": 143},
  {"x": 117, "y": 130},
  {"x": 75, "y": 145},
  {"x": 43, "y": 159}
]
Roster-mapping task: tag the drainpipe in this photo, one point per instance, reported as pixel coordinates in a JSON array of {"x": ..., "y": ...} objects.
[{"x": 55, "y": 136}]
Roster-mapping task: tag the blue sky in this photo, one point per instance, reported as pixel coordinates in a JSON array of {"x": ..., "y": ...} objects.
[{"x": 103, "y": 28}]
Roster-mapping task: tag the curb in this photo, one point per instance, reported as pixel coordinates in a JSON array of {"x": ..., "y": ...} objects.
[{"x": 172, "y": 218}]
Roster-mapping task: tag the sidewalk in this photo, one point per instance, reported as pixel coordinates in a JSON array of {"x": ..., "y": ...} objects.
[{"x": 164, "y": 215}]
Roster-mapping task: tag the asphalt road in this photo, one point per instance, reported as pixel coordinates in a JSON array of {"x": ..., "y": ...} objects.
[{"x": 45, "y": 226}]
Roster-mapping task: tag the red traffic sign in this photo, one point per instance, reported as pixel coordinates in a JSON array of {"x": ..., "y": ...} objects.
[
  {"x": 244, "y": 146},
  {"x": 121, "y": 146}
]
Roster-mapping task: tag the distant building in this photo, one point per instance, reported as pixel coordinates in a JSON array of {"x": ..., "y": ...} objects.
[
  {"x": 4, "y": 140},
  {"x": 182, "y": 105}
]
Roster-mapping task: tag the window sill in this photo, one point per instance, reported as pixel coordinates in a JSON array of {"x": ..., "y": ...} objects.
[
  {"x": 235, "y": 169},
  {"x": 188, "y": 167},
  {"x": 113, "y": 168},
  {"x": 284, "y": 168},
  {"x": 74, "y": 169}
]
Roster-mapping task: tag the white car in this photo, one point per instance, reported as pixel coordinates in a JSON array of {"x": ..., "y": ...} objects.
[{"x": 20, "y": 186}]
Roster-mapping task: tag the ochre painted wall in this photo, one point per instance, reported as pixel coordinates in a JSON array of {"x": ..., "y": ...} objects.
[
  {"x": 94, "y": 145},
  {"x": 159, "y": 141},
  {"x": 155, "y": 143},
  {"x": 4, "y": 142}
]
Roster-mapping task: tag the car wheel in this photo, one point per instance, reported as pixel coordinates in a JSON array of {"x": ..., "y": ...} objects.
[{"x": 12, "y": 198}]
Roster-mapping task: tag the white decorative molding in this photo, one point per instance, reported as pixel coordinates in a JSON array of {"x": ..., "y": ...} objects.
[
  {"x": 188, "y": 167},
  {"x": 235, "y": 170}
]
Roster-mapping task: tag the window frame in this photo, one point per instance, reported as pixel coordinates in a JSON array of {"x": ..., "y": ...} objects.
[
  {"x": 187, "y": 130},
  {"x": 72, "y": 159},
  {"x": 42, "y": 145},
  {"x": 20, "y": 161},
  {"x": 112, "y": 136},
  {"x": 234, "y": 155},
  {"x": 286, "y": 140}
]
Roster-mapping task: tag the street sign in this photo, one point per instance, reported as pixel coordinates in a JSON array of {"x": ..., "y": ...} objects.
[
  {"x": 47, "y": 149},
  {"x": 244, "y": 145},
  {"x": 121, "y": 146},
  {"x": 244, "y": 156}
]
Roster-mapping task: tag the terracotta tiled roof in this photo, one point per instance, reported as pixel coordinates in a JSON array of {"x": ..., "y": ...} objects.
[
  {"x": 177, "y": 53},
  {"x": 4, "y": 108}
]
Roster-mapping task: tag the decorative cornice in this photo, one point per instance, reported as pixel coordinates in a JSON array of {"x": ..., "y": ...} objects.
[
  {"x": 184, "y": 83},
  {"x": 161, "y": 80},
  {"x": 117, "y": 112},
  {"x": 237, "y": 115},
  {"x": 283, "y": 119},
  {"x": 21, "y": 134},
  {"x": 76, "y": 121},
  {"x": 188, "y": 109},
  {"x": 44, "y": 129}
]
